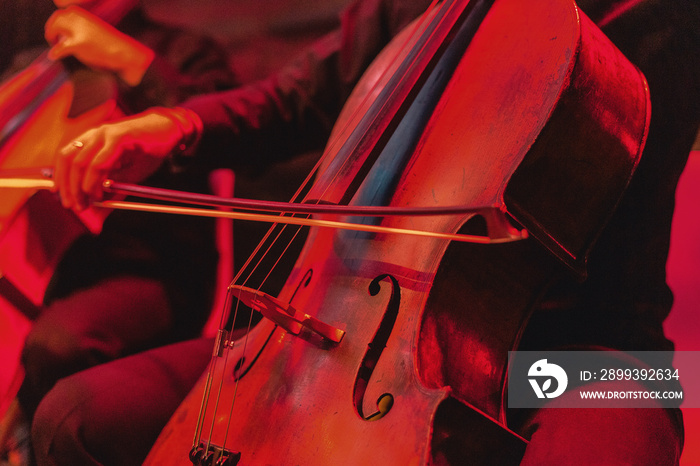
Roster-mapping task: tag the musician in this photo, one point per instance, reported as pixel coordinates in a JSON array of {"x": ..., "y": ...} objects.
[
  {"x": 622, "y": 305},
  {"x": 128, "y": 288},
  {"x": 185, "y": 63}
]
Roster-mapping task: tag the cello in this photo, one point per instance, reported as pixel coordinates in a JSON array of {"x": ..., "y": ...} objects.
[
  {"x": 41, "y": 108},
  {"x": 41, "y": 111},
  {"x": 386, "y": 348}
]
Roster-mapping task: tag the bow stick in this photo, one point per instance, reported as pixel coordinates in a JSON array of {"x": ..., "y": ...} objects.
[{"x": 499, "y": 229}]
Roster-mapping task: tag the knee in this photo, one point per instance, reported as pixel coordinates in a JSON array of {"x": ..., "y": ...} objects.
[
  {"x": 57, "y": 427},
  {"x": 604, "y": 436},
  {"x": 49, "y": 355}
]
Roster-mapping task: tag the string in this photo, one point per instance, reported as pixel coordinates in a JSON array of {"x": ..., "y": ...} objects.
[
  {"x": 202, "y": 414},
  {"x": 328, "y": 185},
  {"x": 378, "y": 115},
  {"x": 300, "y": 221}
]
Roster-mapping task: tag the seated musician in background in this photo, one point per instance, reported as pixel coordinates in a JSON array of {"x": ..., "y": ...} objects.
[
  {"x": 145, "y": 280},
  {"x": 185, "y": 63},
  {"x": 110, "y": 414}
]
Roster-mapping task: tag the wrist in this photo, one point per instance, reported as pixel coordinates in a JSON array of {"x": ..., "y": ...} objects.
[
  {"x": 137, "y": 60},
  {"x": 189, "y": 126}
]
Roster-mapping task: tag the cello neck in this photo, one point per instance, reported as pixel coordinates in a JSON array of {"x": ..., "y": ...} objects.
[{"x": 361, "y": 143}]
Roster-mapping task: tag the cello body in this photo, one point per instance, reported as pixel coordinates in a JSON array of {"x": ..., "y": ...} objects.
[
  {"x": 534, "y": 116},
  {"x": 43, "y": 108},
  {"x": 35, "y": 230}
]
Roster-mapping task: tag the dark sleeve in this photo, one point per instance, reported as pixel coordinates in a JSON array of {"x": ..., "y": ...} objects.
[
  {"x": 626, "y": 298},
  {"x": 185, "y": 64},
  {"x": 22, "y": 27},
  {"x": 294, "y": 110}
]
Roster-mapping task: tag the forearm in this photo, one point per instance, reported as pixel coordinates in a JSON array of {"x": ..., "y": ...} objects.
[
  {"x": 275, "y": 118},
  {"x": 185, "y": 64},
  {"x": 294, "y": 110}
]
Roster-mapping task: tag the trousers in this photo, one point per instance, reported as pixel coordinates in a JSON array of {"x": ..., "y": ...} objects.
[{"x": 138, "y": 394}]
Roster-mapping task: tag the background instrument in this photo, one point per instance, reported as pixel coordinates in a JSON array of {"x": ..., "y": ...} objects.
[{"x": 42, "y": 108}]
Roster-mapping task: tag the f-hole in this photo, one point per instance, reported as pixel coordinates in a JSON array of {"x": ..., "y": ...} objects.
[
  {"x": 374, "y": 351},
  {"x": 305, "y": 280}
]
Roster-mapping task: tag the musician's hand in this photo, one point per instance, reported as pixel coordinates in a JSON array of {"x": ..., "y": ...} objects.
[
  {"x": 128, "y": 150},
  {"x": 74, "y": 31}
]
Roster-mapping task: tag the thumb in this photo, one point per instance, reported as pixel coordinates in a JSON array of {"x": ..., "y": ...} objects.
[{"x": 60, "y": 49}]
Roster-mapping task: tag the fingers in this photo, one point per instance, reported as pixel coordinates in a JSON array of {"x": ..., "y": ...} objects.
[
  {"x": 103, "y": 163},
  {"x": 80, "y": 170},
  {"x": 61, "y": 174},
  {"x": 136, "y": 146},
  {"x": 70, "y": 30},
  {"x": 52, "y": 27},
  {"x": 76, "y": 32},
  {"x": 60, "y": 50},
  {"x": 58, "y": 30},
  {"x": 70, "y": 165}
]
